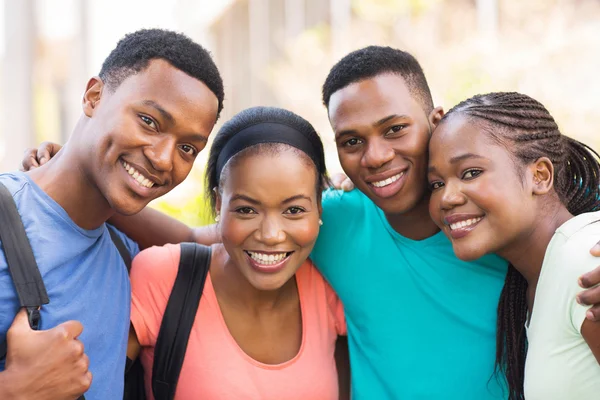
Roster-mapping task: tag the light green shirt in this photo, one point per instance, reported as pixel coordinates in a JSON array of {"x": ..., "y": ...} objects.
[{"x": 560, "y": 364}]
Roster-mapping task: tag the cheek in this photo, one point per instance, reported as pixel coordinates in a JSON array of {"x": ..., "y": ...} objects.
[
  {"x": 350, "y": 162},
  {"x": 234, "y": 231},
  {"x": 304, "y": 232},
  {"x": 434, "y": 208}
]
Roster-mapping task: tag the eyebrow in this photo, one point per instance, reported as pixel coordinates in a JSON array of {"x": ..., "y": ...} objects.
[
  {"x": 195, "y": 137},
  {"x": 164, "y": 113},
  {"x": 457, "y": 159},
  {"x": 256, "y": 202},
  {"x": 378, "y": 123}
]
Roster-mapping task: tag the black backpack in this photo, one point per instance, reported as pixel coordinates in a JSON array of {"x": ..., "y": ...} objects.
[{"x": 177, "y": 320}]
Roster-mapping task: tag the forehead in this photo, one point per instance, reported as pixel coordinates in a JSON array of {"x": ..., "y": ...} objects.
[
  {"x": 182, "y": 95},
  {"x": 459, "y": 135},
  {"x": 367, "y": 101},
  {"x": 270, "y": 177}
]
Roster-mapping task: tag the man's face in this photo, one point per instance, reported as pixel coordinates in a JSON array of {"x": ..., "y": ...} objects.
[
  {"x": 382, "y": 135},
  {"x": 142, "y": 139}
]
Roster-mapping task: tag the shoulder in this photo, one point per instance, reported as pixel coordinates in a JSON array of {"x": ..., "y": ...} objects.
[
  {"x": 15, "y": 182},
  {"x": 131, "y": 245},
  {"x": 569, "y": 249},
  {"x": 334, "y": 199},
  {"x": 155, "y": 268}
]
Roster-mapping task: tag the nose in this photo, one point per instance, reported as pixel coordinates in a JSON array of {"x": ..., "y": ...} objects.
[
  {"x": 161, "y": 154},
  {"x": 452, "y": 196},
  {"x": 378, "y": 154},
  {"x": 270, "y": 231}
]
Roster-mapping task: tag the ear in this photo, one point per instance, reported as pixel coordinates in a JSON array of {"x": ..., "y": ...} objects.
[
  {"x": 435, "y": 117},
  {"x": 543, "y": 176},
  {"x": 218, "y": 200},
  {"x": 92, "y": 95}
]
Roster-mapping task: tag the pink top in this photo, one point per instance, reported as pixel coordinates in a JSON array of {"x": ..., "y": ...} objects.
[{"x": 215, "y": 367}]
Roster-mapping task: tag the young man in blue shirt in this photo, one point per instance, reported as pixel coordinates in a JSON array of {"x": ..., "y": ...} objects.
[{"x": 145, "y": 118}]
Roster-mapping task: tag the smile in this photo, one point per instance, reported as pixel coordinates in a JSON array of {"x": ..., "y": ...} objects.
[
  {"x": 388, "y": 181},
  {"x": 465, "y": 223},
  {"x": 137, "y": 176},
  {"x": 268, "y": 259}
]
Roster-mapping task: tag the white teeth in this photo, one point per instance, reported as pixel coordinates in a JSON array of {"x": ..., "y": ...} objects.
[
  {"x": 267, "y": 259},
  {"x": 387, "y": 181},
  {"x": 462, "y": 224},
  {"x": 137, "y": 176}
]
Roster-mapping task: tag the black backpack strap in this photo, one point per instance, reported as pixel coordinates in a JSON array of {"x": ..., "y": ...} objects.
[
  {"x": 176, "y": 325},
  {"x": 21, "y": 263},
  {"x": 125, "y": 254}
]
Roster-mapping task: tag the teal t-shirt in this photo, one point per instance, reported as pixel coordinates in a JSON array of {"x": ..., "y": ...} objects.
[{"x": 421, "y": 323}]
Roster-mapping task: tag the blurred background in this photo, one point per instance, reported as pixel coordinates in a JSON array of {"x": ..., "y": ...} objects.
[{"x": 278, "y": 52}]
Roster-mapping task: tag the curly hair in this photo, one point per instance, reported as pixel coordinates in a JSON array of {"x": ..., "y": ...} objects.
[
  {"x": 372, "y": 61},
  {"x": 133, "y": 53}
]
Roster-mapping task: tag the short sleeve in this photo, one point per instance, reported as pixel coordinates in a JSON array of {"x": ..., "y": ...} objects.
[
  {"x": 153, "y": 274},
  {"x": 573, "y": 260},
  {"x": 336, "y": 310}
]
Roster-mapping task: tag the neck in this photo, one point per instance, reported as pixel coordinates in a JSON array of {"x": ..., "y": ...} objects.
[
  {"x": 66, "y": 183},
  {"x": 527, "y": 252},
  {"x": 234, "y": 285},
  {"x": 415, "y": 224}
]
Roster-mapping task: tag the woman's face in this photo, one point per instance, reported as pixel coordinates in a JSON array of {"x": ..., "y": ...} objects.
[
  {"x": 478, "y": 199},
  {"x": 269, "y": 215}
]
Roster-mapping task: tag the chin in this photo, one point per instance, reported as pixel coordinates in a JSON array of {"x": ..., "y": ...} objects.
[{"x": 468, "y": 253}]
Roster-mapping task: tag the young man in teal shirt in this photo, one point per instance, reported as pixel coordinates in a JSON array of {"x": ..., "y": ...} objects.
[{"x": 421, "y": 323}]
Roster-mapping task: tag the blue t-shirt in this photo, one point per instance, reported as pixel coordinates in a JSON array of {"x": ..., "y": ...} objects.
[
  {"x": 421, "y": 323},
  {"x": 86, "y": 280}
]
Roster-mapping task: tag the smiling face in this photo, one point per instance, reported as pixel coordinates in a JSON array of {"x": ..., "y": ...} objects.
[
  {"x": 382, "y": 133},
  {"x": 269, "y": 215},
  {"x": 478, "y": 197},
  {"x": 141, "y": 139}
]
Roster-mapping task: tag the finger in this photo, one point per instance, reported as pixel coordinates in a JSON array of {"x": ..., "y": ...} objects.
[
  {"x": 337, "y": 180},
  {"x": 589, "y": 297},
  {"x": 593, "y": 314},
  {"x": 21, "y": 321},
  {"x": 29, "y": 160},
  {"x": 595, "y": 251},
  {"x": 70, "y": 329},
  {"x": 43, "y": 153},
  {"x": 591, "y": 278},
  {"x": 347, "y": 185}
]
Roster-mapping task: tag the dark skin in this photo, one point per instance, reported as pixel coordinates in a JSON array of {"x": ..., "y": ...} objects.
[
  {"x": 515, "y": 220},
  {"x": 267, "y": 204},
  {"x": 156, "y": 121},
  {"x": 381, "y": 131}
]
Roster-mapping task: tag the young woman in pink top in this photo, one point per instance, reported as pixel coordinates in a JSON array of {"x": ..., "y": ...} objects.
[{"x": 267, "y": 323}]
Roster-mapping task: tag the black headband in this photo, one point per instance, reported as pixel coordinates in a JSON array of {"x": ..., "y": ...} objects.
[{"x": 267, "y": 132}]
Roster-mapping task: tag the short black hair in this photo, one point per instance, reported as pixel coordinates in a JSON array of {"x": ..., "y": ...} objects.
[
  {"x": 257, "y": 115},
  {"x": 372, "y": 61},
  {"x": 137, "y": 49}
]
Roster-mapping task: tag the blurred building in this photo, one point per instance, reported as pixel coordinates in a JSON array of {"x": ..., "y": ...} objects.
[{"x": 278, "y": 52}]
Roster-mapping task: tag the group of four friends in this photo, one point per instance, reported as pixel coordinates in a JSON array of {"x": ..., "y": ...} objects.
[{"x": 460, "y": 222}]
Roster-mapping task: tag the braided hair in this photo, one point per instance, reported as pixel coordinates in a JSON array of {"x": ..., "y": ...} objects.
[{"x": 527, "y": 129}]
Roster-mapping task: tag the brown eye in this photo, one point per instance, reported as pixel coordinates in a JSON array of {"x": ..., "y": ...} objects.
[
  {"x": 187, "y": 149},
  {"x": 295, "y": 210},
  {"x": 472, "y": 173},
  {"x": 148, "y": 121}
]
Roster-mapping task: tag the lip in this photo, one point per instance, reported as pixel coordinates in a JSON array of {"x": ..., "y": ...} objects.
[
  {"x": 146, "y": 173},
  {"x": 393, "y": 188},
  {"x": 461, "y": 232},
  {"x": 268, "y": 269},
  {"x": 134, "y": 186}
]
